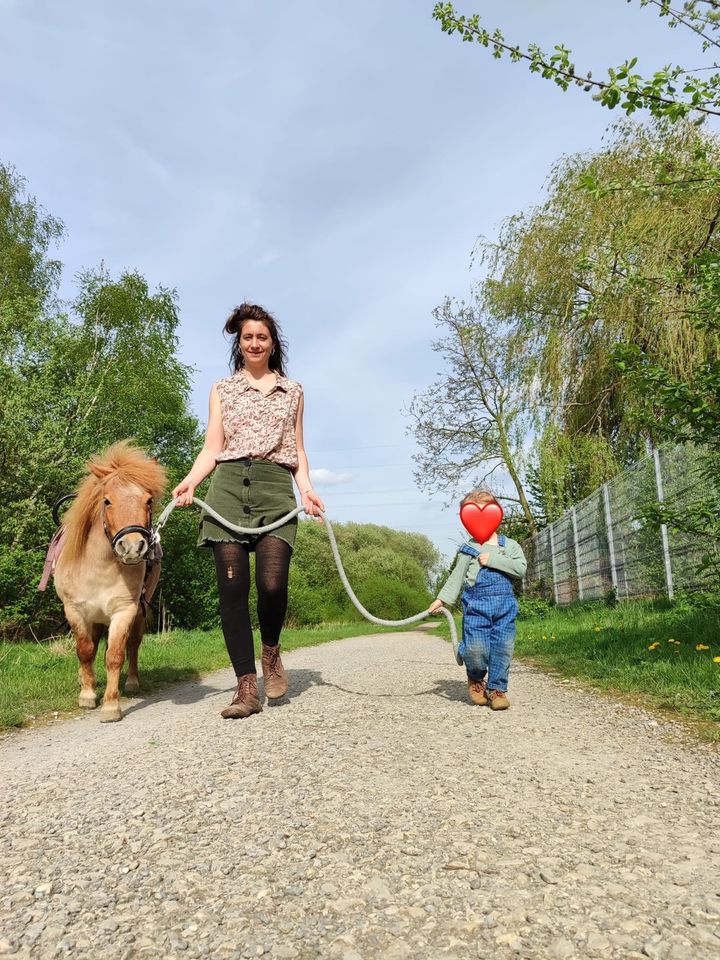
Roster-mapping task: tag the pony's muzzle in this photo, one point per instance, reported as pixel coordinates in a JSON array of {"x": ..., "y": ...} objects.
[{"x": 131, "y": 548}]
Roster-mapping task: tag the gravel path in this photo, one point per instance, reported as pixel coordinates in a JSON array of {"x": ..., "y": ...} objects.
[{"x": 374, "y": 815}]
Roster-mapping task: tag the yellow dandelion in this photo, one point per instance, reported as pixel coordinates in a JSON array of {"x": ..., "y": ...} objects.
[
  {"x": 597, "y": 629},
  {"x": 716, "y": 659},
  {"x": 671, "y": 640},
  {"x": 701, "y": 646},
  {"x": 544, "y": 637},
  {"x": 654, "y": 646}
]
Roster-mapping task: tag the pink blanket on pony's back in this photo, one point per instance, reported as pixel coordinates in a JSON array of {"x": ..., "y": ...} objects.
[{"x": 54, "y": 550}]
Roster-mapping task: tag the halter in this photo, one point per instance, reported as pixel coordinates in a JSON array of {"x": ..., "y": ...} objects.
[{"x": 145, "y": 532}]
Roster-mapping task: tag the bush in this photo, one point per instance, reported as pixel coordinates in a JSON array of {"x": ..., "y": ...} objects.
[
  {"x": 392, "y": 600},
  {"x": 533, "y": 608},
  {"x": 23, "y": 611}
]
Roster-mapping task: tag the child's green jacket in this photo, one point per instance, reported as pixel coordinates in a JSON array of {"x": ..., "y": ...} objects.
[{"x": 509, "y": 559}]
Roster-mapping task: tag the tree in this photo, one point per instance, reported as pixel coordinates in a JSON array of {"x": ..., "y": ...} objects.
[
  {"x": 686, "y": 411},
  {"x": 672, "y": 92},
  {"x": 28, "y": 277},
  {"x": 674, "y": 408},
  {"x": 608, "y": 259},
  {"x": 471, "y": 422},
  {"x": 71, "y": 383},
  {"x": 565, "y": 469}
]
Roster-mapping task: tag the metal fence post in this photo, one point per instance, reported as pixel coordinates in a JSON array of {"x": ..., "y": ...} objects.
[
  {"x": 577, "y": 554},
  {"x": 552, "y": 562},
  {"x": 663, "y": 526},
  {"x": 610, "y": 538}
]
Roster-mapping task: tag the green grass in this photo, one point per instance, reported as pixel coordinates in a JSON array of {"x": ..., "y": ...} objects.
[
  {"x": 609, "y": 647},
  {"x": 606, "y": 647},
  {"x": 38, "y": 680}
]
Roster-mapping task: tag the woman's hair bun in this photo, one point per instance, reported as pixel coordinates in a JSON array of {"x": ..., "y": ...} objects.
[{"x": 246, "y": 311}]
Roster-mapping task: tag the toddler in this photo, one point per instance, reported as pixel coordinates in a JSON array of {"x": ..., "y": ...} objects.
[{"x": 483, "y": 572}]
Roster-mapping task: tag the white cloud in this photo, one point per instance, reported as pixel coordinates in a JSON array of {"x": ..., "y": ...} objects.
[{"x": 327, "y": 478}]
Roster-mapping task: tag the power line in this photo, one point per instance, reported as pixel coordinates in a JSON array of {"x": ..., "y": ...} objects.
[
  {"x": 368, "y": 493},
  {"x": 365, "y": 466},
  {"x": 371, "y": 446}
]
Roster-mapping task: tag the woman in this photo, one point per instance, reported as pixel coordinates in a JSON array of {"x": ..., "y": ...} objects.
[{"x": 254, "y": 443}]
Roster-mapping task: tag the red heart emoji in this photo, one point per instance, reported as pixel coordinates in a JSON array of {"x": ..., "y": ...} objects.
[{"x": 481, "y": 522}]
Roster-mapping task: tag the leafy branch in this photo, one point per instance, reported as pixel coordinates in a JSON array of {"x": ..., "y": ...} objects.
[{"x": 666, "y": 94}]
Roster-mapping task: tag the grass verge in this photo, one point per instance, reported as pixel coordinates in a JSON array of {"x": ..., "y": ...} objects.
[
  {"x": 659, "y": 655},
  {"x": 39, "y": 680}
]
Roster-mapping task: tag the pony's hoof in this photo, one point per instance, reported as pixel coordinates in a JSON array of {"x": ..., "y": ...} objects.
[
  {"x": 132, "y": 685},
  {"x": 110, "y": 713},
  {"x": 88, "y": 701}
]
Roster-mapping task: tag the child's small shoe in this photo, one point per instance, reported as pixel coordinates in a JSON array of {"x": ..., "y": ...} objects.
[
  {"x": 498, "y": 700},
  {"x": 477, "y": 692}
]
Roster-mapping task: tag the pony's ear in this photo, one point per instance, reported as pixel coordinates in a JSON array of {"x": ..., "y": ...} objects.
[{"x": 97, "y": 469}]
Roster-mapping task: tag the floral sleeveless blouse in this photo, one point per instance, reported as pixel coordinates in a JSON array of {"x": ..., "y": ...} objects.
[{"x": 259, "y": 426}]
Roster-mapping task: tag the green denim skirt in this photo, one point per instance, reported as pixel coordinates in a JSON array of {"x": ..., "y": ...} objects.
[{"x": 248, "y": 493}]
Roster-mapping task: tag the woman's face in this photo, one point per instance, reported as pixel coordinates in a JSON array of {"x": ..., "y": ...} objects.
[{"x": 255, "y": 343}]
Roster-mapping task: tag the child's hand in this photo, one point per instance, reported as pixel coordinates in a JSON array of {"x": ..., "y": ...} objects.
[
  {"x": 483, "y": 559},
  {"x": 435, "y": 606}
]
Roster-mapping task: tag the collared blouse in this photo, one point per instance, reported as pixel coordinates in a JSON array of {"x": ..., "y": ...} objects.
[{"x": 257, "y": 425}]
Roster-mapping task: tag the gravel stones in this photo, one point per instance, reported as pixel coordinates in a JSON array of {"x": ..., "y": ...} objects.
[{"x": 373, "y": 814}]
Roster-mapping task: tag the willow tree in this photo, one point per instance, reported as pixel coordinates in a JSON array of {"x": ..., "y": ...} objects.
[
  {"x": 472, "y": 422},
  {"x": 609, "y": 258}
]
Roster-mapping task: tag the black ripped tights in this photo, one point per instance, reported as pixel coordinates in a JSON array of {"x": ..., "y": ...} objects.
[{"x": 232, "y": 565}]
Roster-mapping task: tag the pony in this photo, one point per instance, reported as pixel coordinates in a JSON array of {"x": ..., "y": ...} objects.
[{"x": 106, "y": 570}]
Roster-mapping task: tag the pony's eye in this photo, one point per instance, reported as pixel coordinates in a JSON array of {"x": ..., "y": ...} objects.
[
  {"x": 150, "y": 502},
  {"x": 107, "y": 502}
]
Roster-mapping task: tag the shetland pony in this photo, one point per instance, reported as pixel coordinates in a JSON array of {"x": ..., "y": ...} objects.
[{"x": 104, "y": 574}]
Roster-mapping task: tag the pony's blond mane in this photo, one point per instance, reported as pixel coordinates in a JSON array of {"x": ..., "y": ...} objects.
[{"x": 122, "y": 461}]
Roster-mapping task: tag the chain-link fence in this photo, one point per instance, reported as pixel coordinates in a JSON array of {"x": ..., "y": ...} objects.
[{"x": 604, "y": 545}]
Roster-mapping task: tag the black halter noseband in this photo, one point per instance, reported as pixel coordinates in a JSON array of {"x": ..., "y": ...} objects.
[{"x": 145, "y": 532}]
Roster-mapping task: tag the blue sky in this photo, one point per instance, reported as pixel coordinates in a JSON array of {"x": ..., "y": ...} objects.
[{"x": 333, "y": 161}]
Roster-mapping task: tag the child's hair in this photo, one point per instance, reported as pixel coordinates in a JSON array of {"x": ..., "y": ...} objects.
[{"x": 480, "y": 496}]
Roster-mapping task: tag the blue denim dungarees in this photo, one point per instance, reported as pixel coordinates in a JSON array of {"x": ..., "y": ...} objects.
[{"x": 488, "y": 628}]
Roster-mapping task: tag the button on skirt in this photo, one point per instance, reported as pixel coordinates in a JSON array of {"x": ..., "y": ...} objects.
[{"x": 248, "y": 493}]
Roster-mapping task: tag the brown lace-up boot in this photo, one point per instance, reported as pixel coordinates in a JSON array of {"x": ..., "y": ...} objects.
[
  {"x": 477, "y": 692},
  {"x": 246, "y": 700},
  {"x": 498, "y": 700},
  {"x": 276, "y": 683}
]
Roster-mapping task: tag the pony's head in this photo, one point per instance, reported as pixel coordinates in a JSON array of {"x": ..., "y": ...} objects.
[{"x": 119, "y": 493}]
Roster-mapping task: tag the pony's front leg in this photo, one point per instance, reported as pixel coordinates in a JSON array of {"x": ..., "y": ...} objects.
[
  {"x": 86, "y": 644},
  {"x": 120, "y": 626}
]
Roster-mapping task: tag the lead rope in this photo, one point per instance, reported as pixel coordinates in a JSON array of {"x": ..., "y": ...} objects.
[{"x": 257, "y": 531}]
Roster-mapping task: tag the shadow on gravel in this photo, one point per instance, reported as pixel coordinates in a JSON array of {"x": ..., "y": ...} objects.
[
  {"x": 451, "y": 690},
  {"x": 447, "y": 689},
  {"x": 188, "y": 690},
  {"x": 299, "y": 681}
]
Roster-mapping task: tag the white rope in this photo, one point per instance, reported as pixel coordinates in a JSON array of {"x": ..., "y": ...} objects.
[{"x": 258, "y": 531}]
